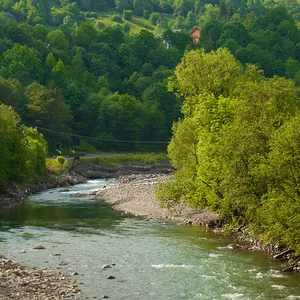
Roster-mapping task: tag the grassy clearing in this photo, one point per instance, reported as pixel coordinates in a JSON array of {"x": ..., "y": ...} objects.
[
  {"x": 86, "y": 148},
  {"x": 136, "y": 23},
  {"x": 152, "y": 159}
]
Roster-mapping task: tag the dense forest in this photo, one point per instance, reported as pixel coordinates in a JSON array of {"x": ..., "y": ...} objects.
[{"x": 66, "y": 72}]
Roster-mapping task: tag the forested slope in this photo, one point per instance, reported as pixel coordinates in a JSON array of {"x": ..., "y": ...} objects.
[{"x": 65, "y": 74}]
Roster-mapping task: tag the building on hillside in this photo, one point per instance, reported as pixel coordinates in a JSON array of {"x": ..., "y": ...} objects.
[{"x": 195, "y": 34}]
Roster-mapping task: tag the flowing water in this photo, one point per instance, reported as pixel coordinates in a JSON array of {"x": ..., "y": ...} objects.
[{"x": 152, "y": 260}]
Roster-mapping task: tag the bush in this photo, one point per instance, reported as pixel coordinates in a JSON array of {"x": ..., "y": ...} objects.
[
  {"x": 127, "y": 14},
  {"x": 87, "y": 14},
  {"x": 100, "y": 25},
  {"x": 155, "y": 18},
  {"x": 117, "y": 18},
  {"x": 94, "y": 15},
  {"x": 61, "y": 160},
  {"x": 126, "y": 27},
  {"x": 37, "y": 20},
  {"x": 146, "y": 14}
]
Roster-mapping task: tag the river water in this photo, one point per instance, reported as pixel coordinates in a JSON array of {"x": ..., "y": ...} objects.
[{"x": 152, "y": 259}]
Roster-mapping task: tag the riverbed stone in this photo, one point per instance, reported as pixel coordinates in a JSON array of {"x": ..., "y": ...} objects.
[
  {"x": 107, "y": 266},
  {"x": 40, "y": 247}
]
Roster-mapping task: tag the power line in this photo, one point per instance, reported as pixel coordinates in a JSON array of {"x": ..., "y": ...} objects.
[{"x": 102, "y": 140}]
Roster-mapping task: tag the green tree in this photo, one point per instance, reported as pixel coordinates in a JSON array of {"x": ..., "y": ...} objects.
[
  {"x": 127, "y": 14},
  {"x": 56, "y": 39},
  {"x": 22, "y": 63},
  {"x": 22, "y": 150}
]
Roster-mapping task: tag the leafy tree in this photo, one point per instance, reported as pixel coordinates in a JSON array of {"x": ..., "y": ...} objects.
[
  {"x": 118, "y": 117},
  {"x": 48, "y": 110},
  {"x": 190, "y": 20},
  {"x": 22, "y": 63},
  {"x": 123, "y": 4},
  {"x": 144, "y": 43},
  {"x": 56, "y": 39},
  {"x": 155, "y": 18},
  {"x": 182, "y": 7},
  {"x": 22, "y": 150},
  {"x": 210, "y": 34},
  {"x": 239, "y": 171},
  {"x": 127, "y": 14}
]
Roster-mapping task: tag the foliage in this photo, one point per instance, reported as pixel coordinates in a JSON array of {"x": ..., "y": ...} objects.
[
  {"x": 22, "y": 150},
  {"x": 127, "y": 15},
  {"x": 236, "y": 149},
  {"x": 56, "y": 166}
]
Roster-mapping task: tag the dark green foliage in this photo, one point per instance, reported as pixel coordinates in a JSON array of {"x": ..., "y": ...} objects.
[
  {"x": 117, "y": 18},
  {"x": 127, "y": 14}
]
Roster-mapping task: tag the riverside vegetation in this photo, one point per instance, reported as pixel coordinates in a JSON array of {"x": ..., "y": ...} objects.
[
  {"x": 237, "y": 151},
  {"x": 235, "y": 148}
]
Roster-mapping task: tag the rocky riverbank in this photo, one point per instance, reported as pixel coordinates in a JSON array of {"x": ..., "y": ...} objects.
[
  {"x": 93, "y": 170},
  {"x": 134, "y": 194},
  {"x": 20, "y": 283},
  {"x": 16, "y": 194}
]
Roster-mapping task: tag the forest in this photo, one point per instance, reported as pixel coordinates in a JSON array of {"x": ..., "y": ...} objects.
[{"x": 228, "y": 105}]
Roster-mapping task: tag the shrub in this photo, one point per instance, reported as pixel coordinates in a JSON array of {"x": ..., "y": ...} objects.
[
  {"x": 61, "y": 160},
  {"x": 155, "y": 18},
  {"x": 94, "y": 15},
  {"x": 126, "y": 27},
  {"x": 100, "y": 25},
  {"x": 117, "y": 18},
  {"x": 127, "y": 14},
  {"x": 146, "y": 14}
]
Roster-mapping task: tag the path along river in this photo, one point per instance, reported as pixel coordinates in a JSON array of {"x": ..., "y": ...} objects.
[{"x": 153, "y": 259}]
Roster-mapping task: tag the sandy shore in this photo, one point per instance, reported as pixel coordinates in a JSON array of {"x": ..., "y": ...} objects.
[{"x": 134, "y": 194}]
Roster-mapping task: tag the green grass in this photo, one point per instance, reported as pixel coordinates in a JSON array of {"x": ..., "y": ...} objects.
[
  {"x": 85, "y": 148},
  {"x": 151, "y": 159},
  {"x": 136, "y": 23}
]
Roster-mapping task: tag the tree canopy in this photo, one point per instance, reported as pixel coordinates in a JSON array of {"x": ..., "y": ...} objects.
[{"x": 234, "y": 151}]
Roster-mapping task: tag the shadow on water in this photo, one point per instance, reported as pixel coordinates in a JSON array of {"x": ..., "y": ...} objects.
[{"x": 62, "y": 211}]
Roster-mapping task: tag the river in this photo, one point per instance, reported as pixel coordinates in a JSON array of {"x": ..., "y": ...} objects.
[{"x": 152, "y": 259}]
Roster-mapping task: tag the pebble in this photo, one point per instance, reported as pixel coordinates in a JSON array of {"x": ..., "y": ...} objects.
[
  {"x": 106, "y": 266},
  {"x": 39, "y": 247}
]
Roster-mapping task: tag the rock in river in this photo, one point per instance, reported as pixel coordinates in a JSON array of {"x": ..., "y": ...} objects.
[{"x": 39, "y": 247}]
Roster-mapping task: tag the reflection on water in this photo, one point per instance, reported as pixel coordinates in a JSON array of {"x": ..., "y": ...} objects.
[{"x": 153, "y": 260}]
